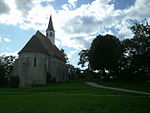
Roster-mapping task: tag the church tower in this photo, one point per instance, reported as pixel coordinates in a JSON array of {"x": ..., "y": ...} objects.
[{"x": 50, "y": 33}]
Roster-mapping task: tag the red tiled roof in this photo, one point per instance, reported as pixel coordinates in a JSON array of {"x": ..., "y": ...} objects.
[{"x": 40, "y": 43}]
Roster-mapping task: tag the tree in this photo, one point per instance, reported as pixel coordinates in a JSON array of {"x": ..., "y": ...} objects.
[
  {"x": 105, "y": 53},
  {"x": 137, "y": 50},
  {"x": 65, "y": 55},
  {"x": 83, "y": 58},
  {"x": 141, "y": 46},
  {"x": 6, "y": 68},
  {"x": 3, "y": 79},
  {"x": 73, "y": 72}
]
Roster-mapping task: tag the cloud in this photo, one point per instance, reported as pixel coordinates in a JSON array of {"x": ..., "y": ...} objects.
[
  {"x": 82, "y": 24},
  {"x": 24, "y": 6},
  {"x": 72, "y": 3},
  {"x": 47, "y": 0},
  {"x": 81, "y": 42},
  {"x": 71, "y": 53},
  {"x": 4, "y": 8},
  {"x": 5, "y": 40},
  {"x": 9, "y": 54},
  {"x": 57, "y": 43},
  {"x": 76, "y": 27},
  {"x": 14, "y": 16},
  {"x": 38, "y": 17},
  {"x": 140, "y": 10}
]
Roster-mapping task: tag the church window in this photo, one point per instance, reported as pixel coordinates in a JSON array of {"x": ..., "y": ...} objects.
[
  {"x": 35, "y": 62},
  {"x": 51, "y": 34}
]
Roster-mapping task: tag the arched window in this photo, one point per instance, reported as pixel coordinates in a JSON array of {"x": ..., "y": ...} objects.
[{"x": 34, "y": 61}]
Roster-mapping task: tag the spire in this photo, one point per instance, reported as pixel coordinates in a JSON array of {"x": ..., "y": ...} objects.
[
  {"x": 50, "y": 33},
  {"x": 50, "y": 25}
]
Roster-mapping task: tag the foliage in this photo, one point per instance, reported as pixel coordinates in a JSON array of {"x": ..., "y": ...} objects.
[
  {"x": 6, "y": 68},
  {"x": 128, "y": 59},
  {"x": 137, "y": 53},
  {"x": 65, "y": 55},
  {"x": 83, "y": 58},
  {"x": 105, "y": 54},
  {"x": 73, "y": 72},
  {"x": 49, "y": 78},
  {"x": 14, "y": 81}
]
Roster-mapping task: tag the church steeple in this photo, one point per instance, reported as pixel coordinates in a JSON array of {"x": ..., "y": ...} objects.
[{"x": 50, "y": 32}]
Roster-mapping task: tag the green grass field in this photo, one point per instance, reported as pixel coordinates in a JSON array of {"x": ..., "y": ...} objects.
[
  {"x": 58, "y": 99},
  {"x": 128, "y": 85}
]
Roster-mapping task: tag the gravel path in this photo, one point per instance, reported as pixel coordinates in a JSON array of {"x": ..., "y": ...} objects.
[{"x": 118, "y": 89}]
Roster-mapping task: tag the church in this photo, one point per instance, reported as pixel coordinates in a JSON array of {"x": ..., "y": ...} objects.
[{"x": 40, "y": 60}]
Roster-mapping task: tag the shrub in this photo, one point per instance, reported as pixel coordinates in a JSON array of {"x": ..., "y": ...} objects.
[
  {"x": 14, "y": 81},
  {"x": 3, "y": 81},
  {"x": 49, "y": 78}
]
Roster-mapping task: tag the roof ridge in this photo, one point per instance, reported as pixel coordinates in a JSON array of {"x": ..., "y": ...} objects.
[{"x": 40, "y": 43}]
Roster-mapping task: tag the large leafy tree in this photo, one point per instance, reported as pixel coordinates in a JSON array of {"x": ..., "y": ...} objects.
[
  {"x": 105, "y": 54},
  {"x": 138, "y": 49}
]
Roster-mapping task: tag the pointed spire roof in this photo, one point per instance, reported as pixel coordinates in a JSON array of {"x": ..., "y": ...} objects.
[{"x": 50, "y": 25}]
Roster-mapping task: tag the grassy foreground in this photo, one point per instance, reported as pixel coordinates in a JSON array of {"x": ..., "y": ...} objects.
[
  {"x": 128, "y": 85},
  {"x": 98, "y": 100}
]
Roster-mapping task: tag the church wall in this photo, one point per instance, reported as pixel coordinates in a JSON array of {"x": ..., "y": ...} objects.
[
  {"x": 32, "y": 68},
  {"x": 33, "y": 72},
  {"x": 58, "y": 69}
]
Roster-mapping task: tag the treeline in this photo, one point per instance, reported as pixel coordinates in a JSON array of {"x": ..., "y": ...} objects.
[
  {"x": 127, "y": 59},
  {"x": 6, "y": 68}
]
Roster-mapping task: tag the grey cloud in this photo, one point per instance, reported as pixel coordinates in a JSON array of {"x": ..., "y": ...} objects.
[
  {"x": 84, "y": 24},
  {"x": 81, "y": 40},
  {"x": 24, "y": 6},
  {"x": 3, "y": 7},
  {"x": 139, "y": 11}
]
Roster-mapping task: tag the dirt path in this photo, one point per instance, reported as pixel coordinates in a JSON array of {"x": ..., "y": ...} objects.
[{"x": 118, "y": 89}]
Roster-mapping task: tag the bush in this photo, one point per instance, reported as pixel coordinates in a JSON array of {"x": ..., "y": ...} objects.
[
  {"x": 3, "y": 81},
  {"x": 49, "y": 78},
  {"x": 14, "y": 81}
]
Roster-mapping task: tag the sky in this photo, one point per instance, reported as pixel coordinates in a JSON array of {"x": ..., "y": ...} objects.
[{"x": 76, "y": 22}]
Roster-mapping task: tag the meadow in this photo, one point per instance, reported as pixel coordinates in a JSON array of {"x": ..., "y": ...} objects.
[{"x": 72, "y": 97}]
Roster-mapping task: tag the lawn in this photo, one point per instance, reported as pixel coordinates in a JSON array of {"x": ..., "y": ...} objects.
[
  {"x": 58, "y": 99},
  {"x": 128, "y": 85}
]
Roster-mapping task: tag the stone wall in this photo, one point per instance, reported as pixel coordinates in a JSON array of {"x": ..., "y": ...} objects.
[
  {"x": 32, "y": 67},
  {"x": 58, "y": 69}
]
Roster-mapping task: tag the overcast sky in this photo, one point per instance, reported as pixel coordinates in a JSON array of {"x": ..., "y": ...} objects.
[{"x": 76, "y": 22}]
